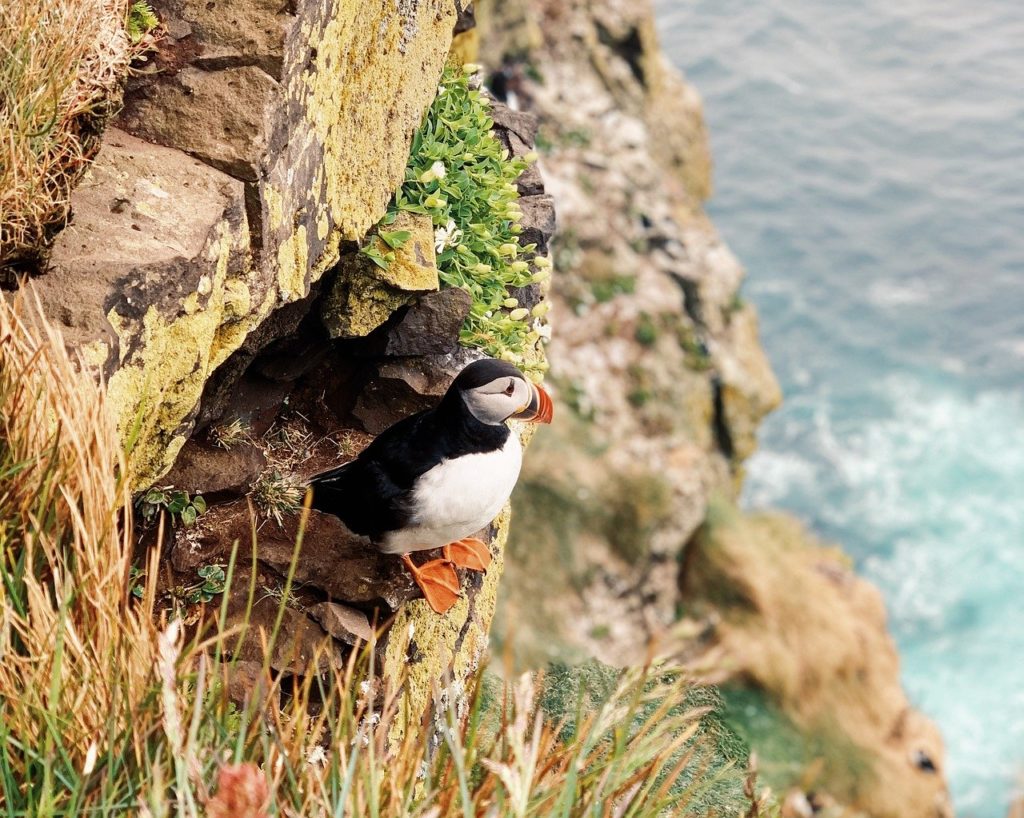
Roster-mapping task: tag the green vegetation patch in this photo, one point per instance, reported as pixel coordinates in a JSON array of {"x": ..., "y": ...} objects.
[
  {"x": 178, "y": 504},
  {"x": 141, "y": 20},
  {"x": 819, "y": 756},
  {"x": 461, "y": 176},
  {"x": 636, "y": 505},
  {"x": 712, "y": 782}
]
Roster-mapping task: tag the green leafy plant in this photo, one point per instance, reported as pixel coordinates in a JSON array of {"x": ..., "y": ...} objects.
[
  {"x": 136, "y": 581},
  {"x": 461, "y": 176},
  {"x": 392, "y": 239},
  {"x": 141, "y": 20},
  {"x": 212, "y": 581},
  {"x": 178, "y": 505}
]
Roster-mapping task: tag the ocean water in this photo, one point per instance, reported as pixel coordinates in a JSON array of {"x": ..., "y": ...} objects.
[{"x": 870, "y": 173}]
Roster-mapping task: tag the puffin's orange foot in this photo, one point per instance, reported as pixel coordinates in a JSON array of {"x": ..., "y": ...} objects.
[
  {"x": 468, "y": 553},
  {"x": 438, "y": 581}
]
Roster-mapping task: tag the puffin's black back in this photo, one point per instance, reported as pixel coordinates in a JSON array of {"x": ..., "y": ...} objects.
[{"x": 372, "y": 494}]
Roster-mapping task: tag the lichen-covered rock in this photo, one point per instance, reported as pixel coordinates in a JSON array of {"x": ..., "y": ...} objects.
[
  {"x": 300, "y": 118},
  {"x": 365, "y": 294},
  {"x": 431, "y": 325},
  {"x": 152, "y": 282},
  {"x": 313, "y": 104},
  {"x": 426, "y": 651}
]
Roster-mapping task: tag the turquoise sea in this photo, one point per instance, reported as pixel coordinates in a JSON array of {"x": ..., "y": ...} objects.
[{"x": 870, "y": 174}]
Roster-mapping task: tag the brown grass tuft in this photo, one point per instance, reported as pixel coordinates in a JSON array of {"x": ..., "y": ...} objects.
[
  {"x": 76, "y": 657},
  {"x": 61, "y": 65}
]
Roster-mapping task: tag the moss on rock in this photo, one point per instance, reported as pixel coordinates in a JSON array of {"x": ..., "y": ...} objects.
[
  {"x": 425, "y": 651},
  {"x": 366, "y": 293}
]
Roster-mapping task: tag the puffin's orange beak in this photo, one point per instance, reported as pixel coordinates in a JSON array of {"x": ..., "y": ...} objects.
[{"x": 539, "y": 410}]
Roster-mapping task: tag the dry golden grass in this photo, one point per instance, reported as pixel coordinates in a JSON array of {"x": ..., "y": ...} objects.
[
  {"x": 61, "y": 65},
  {"x": 74, "y": 652}
]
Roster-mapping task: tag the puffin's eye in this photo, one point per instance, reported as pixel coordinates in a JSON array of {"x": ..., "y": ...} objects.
[{"x": 510, "y": 388}]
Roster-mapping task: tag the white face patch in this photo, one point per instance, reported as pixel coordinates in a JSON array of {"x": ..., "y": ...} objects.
[{"x": 496, "y": 401}]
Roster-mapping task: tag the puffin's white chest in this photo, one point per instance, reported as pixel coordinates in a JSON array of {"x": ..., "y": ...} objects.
[{"x": 458, "y": 497}]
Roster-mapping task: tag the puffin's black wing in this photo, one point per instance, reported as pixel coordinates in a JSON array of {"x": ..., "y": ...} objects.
[{"x": 371, "y": 494}]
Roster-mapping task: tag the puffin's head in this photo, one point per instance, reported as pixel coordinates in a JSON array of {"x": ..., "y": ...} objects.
[{"x": 495, "y": 391}]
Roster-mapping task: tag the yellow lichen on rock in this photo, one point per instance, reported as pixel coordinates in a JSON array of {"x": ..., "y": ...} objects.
[
  {"x": 426, "y": 652},
  {"x": 374, "y": 70},
  {"x": 364, "y": 294},
  {"x": 159, "y": 382},
  {"x": 317, "y": 123},
  {"x": 465, "y": 47}
]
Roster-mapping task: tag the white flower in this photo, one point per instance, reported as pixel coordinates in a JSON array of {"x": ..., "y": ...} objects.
[
  {"x": 435, "y": 171},
  {"x": 447, "y": 236},
  {"x": 543, "y": 330}
]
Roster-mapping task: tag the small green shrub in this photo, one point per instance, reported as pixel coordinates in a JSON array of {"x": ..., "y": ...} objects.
[
  {"x": 461, "y": 176},
  {"x": 178, "y": 505},
  {"x": 639, "y": 397},
  {"x": 600, "y": 632},
  {"x": 646, "y": 331},
  {"x": 605, "y": 289},
  {"x": 211, "y": 582},
  {"x": 141, "y": 20}
]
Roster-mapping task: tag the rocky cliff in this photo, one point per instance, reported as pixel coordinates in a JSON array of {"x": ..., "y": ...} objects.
[
  {"x": 626, "y": 530},
  {"x": 264, "y": 263}
]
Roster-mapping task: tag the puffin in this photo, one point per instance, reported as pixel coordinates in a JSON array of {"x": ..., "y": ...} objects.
[{"x": 438, "y": 476}]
